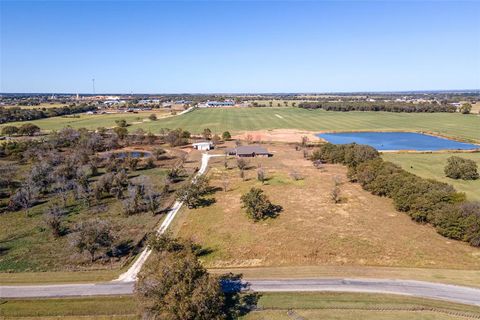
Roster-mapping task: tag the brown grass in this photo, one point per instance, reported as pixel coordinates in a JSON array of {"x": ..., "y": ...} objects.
[{"x": 363, "y": 230}]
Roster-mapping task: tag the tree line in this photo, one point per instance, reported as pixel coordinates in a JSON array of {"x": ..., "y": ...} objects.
[
  {"x": 378, "y": 106},
  {"x": 12, "y": 114},
  {"x": 424, "y": 200}
]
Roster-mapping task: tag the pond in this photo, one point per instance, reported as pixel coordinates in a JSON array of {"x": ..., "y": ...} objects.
[
  {"x": 397, "y": 141},
  {"x": 133, "y": 154}
]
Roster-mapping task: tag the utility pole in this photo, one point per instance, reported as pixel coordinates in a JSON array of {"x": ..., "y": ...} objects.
[{"x": 93, "y": 85}]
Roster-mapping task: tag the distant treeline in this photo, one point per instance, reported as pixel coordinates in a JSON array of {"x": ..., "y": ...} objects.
[
  {"x": 378, "y": 106},
  {"x": 424, "y": 200},
  {"x": 12, "y": 114}
]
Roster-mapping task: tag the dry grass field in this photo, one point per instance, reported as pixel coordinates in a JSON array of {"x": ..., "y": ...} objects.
[{"x": 363, "y": 230}]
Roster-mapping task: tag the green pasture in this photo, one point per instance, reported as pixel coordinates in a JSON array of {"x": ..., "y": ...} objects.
[
  {"x": 431, "y": 165},
  {"x": 464, "y": 127}
]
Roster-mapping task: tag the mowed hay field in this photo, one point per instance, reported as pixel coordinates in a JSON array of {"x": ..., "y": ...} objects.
[
  {"x": 248, "y": 119},
  {"x": 364, "y": 230},
  {"x": 431, "y": 165}
]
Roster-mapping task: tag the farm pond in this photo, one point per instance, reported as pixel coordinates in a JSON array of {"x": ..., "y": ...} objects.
[
  {"x": 126, "y": 154},
  {"x": 384, "y": 141}
]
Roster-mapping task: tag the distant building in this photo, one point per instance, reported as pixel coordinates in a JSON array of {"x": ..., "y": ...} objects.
[
  {"x": 249, "y": 151},
  {"x": 227, "y": 103},
  {"x": 204, "y": 145}
]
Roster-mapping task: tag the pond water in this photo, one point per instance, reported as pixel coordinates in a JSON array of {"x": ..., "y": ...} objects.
[
  {"x": 397, "y": 141},
  {"x": 133, "y": 154}
]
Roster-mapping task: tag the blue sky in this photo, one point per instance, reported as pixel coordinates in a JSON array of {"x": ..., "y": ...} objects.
[{"x": 176, "y": 47}]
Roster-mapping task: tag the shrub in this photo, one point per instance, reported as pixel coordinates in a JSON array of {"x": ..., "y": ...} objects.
[
  {"x": 9, "y": 130},
  {"x": 28, "y": 129},
  {"x": 461, "y": 168}
]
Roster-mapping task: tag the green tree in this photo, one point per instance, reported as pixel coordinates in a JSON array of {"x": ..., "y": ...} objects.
[
  {"x": 465, "y": 108},
  {"x": 207, "y": 133},
  {"x": 174, "y": 285},
  {"x": 226, "y": 136},
  {"x": 192, "y": 194},
  {"x": 258, "y": 206}
]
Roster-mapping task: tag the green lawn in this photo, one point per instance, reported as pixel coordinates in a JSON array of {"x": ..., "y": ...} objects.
[
  {"x": 312, "y": 305},
  {"x": 240, "y": 119},
  {"x": 431, "y": 165}
]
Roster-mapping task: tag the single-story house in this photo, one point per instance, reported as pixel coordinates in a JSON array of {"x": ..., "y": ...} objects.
[
  {"x": 203, "y": 145},
  {"x": 249, "y": 151}
]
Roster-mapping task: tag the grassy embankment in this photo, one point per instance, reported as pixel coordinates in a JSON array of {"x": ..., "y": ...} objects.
[{"x": 271, "y": 306}]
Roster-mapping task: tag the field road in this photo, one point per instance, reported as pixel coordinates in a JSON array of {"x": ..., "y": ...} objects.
[
  {"x": 421, "y": 289},
  {"x": 131, "y": 274}
]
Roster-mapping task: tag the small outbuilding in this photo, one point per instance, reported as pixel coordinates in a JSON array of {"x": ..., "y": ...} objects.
[
  {"x": 204, "y": 145},
  {"x": 249, "y": 151}
]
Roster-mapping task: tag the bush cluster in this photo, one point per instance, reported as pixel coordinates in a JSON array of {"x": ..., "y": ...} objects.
[
  {"x": 424, "y": 200},
  {"x": 460, "y": 168},
  {"x": 378, "y": 106}
]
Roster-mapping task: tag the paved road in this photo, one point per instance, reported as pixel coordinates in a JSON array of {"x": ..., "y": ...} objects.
[{"x": 422, "y": 289}]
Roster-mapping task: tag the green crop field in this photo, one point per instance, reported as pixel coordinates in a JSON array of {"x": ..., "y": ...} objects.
[
  {"x": 242, "y": 119},
  {"x": 431, "y": 165}
]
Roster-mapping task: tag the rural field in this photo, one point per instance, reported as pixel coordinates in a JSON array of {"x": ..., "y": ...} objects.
[
  {"x": 93, "y": 121},
  {"x": 270, "y": 306},
  {"x": 431, "y": 165},
  {"x": 459, "y": 126},
  {"x": 362, "y": 230}
]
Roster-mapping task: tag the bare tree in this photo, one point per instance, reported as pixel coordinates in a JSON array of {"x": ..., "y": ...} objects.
[
  {"x": 225, "y": 181},
  {"x": 93, "y": 236},
  {"x": 53, "y": 217},
  {"x": 335, "y": 194},
  {"x": 261, "y": 176},
  {"x": 24, "y": 198},
  {"x": 242, "y": 164}
]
